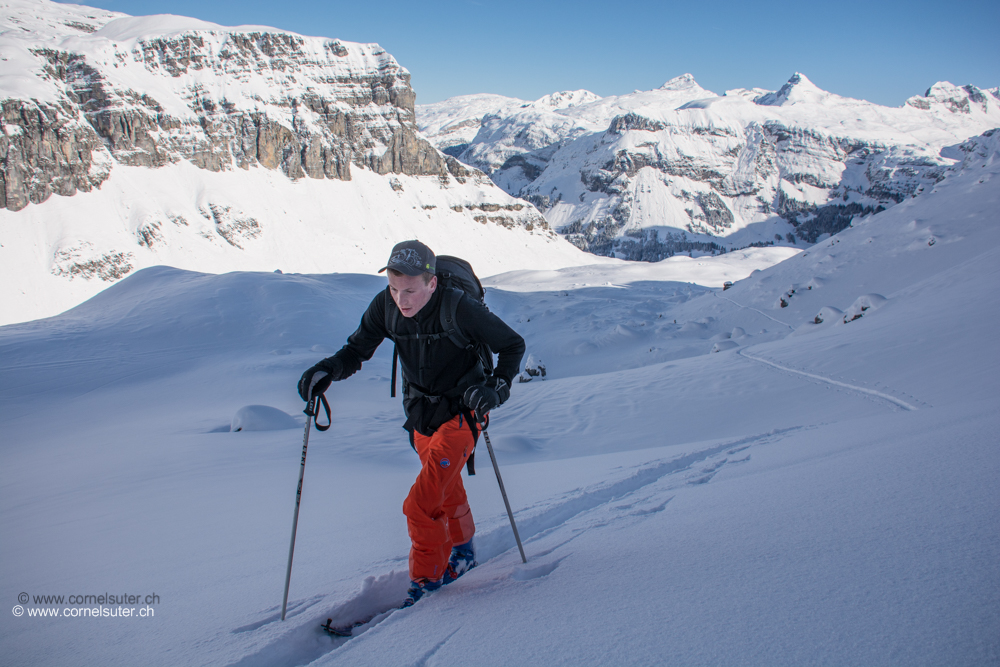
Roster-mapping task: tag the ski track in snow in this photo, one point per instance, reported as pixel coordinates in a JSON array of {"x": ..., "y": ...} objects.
[
  {"x": 759, "y": 312},
  {"x": 638, "y": 495},
  {"x": 871, "y": 392},
  {"x": 437, "y": 647}
]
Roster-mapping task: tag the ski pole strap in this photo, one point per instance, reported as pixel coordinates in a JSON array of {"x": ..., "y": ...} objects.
[
  {"x": 313, "y": 413},
  {"x": 470, "y": 464}
]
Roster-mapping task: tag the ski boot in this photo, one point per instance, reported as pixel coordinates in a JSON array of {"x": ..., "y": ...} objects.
[
  {"x": 463, "y": 559},
  {"x": 418, "y": 589}
]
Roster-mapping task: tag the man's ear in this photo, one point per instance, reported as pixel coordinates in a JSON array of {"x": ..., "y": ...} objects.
[{"x": 433, "y": 283}]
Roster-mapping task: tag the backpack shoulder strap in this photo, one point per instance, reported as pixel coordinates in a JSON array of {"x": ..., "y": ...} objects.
[
  {"x": 449, "y": 319},
  {"x": 391, "y": 322},
  {"x": 391, "y": 315}
]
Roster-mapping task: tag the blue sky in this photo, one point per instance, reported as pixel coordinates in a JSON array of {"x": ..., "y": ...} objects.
[{"x": 880, "y": 51}]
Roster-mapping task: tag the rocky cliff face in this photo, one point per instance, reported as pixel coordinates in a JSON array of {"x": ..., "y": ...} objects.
[
  {"x": 124, "y": 90},
  {"x": 680, "y": 169}
]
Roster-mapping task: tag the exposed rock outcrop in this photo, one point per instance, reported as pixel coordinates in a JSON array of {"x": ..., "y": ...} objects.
[{"x": 43, "y": 151}]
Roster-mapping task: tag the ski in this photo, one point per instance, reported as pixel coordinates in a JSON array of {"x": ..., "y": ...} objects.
[
  {"x": 347, "y": 630},
  {"x": 344, "y": 631},
  {"x": 464, "y": 563}
]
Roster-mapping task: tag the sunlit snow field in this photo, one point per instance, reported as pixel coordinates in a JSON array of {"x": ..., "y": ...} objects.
[{"x": 701, "y": 477}]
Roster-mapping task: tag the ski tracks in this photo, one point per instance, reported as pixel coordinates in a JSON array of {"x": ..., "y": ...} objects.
[
  {"x": 641, "y": 492},
  {"x": 759, "y": 312},
  {"x": 898, "y": 402},
  {"x": 814, "y": 376}
]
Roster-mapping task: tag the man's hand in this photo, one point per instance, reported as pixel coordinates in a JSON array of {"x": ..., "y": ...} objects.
[
  {"x": 481, "y": 398},
  {"x": 317, "y": 379}
]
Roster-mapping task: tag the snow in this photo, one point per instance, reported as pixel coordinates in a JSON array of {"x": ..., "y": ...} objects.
[
  {"x": 824, "y": 497},
  {"x": 309, "y": 225},
  {"x": 262, "y": 418}
]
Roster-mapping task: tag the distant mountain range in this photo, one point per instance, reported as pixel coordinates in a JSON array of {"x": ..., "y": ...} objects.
[{"x": 681, "y": 169}]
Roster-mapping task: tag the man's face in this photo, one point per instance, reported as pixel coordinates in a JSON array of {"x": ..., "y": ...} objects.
[{"x": 411, "y": 293}]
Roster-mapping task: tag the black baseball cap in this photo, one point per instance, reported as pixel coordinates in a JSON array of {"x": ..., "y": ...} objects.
[{"x": 411, "y": 258}]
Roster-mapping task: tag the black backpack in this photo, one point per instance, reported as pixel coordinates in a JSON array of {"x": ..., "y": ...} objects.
[{"x": 455, "y": 276}]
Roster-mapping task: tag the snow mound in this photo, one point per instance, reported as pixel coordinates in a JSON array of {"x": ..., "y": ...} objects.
[
  {"x": 862, "y": 304},
  {"x": 533, "y": 367},
  {"x": 724, "y": 345},
  {"x": 262, "y": 418},
  {"x": 828, "y": 314}
]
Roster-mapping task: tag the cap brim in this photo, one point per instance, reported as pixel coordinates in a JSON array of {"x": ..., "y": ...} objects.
[{"x": 402, "y": 268}]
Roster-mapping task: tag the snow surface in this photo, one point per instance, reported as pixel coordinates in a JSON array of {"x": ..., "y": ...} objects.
[{"x": 825, "y": 497}]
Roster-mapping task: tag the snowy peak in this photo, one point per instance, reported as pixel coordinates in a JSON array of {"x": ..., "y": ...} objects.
[
  {"x": 682, "y": 82},
  {"x": 798, "y": 89},
  {"x": 677, "y": 91},
  {"x": 565, "y": 99}
]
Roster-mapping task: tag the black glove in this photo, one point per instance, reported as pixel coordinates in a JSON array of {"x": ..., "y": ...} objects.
[
  {"x": 481, "y": 398},
  {"x": 317, "y": 379}
]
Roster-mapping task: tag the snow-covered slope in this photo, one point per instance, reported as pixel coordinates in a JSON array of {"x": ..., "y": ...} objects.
[
  {"x": 647, "y": 175},
  {"x": 128, "y": 142},
  {"x": 56, "y": 255},
  {"x": 702, "y": 477}
]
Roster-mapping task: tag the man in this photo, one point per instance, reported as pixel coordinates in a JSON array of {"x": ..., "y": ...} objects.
[{"x": 444, "y": 387}]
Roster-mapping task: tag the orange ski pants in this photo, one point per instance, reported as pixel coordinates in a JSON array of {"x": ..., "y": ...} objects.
[{"x": 437, "y": 510}]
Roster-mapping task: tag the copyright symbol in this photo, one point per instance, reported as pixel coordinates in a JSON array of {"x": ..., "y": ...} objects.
[
  {"x": 18, "y": 610},
  {"x": 23, "y": 598}
]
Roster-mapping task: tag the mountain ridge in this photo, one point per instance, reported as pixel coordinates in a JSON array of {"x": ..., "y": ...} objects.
[{"x": 682, "y": 169}]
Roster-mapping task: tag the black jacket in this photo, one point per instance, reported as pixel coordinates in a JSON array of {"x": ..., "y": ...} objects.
[{"x": 438, "y": 369}]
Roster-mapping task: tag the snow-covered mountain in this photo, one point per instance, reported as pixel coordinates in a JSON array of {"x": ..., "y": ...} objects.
[
  {"x": 133, "y": 141},
  {"x": 485, "y": 131},
  {"x": 678, "y": 169},
  {"x": 451, "y": 125},
  {"x": 801, "y": 469}
]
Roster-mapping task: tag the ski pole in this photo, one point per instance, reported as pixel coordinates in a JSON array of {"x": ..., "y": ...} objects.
[
  {"x": 311, "y": 415},
  {"x": 503, "y": 492}
]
